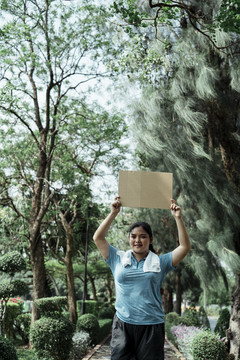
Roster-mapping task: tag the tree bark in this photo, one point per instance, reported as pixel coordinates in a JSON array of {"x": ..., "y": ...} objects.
[
  {"x": 94, "y": 290},
  {"x": 71, "y": 294},
  {"x": 40, "y": 285},
  {"x": 38, "y": 210},
  {"x": 167, "y": 300}
]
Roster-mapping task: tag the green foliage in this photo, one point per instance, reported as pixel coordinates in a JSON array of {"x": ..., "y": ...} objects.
[
  {"x": 229, "y": 16},
  {"x": 203, "y": 318},
  {"x": 206, "y": 345},
  {"x": 22, "y": 325},
  {"x": 90, "y": 324},
  {"x": 222, "y": 323},
  {"x": 171, "y": 319},
  {"x": 134, "y": 15},
  {"x": 14, "y": 288},
  {"x": 12, "y": 262},
  {"x": 107, "y": 311},
  {"x": 53, "y": 306},
  {"x": 220, "y": 291},
  {"x": 129, "y": 12},
  {"x": 190, "y": 317},
  {"x": 105, "y": 326},
  {"x": 183, "y": 338},
  {"x": 7, "y": 350},
  {"x": 26, "y": 354},
  {"x": 91, "y": 307},
  {"x": 52, "y": 338},
  {"x": 13, "y": 310},
  {"x": 81, "y": 344}
]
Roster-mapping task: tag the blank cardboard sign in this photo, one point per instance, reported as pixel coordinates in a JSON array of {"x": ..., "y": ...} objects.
[{"x": 145, "y": 189}]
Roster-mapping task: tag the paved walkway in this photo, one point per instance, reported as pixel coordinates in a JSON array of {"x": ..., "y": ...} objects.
[{"x": 102, "y": 352}]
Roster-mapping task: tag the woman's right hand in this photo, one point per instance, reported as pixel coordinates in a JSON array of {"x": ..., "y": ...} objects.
[{"x": 116, "y": 205}]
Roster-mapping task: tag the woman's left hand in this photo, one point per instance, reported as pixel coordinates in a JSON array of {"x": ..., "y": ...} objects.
[{"x": 175, "y": 209}]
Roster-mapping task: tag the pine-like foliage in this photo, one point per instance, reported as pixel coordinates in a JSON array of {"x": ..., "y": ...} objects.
[{"x": 187, "y": 123}]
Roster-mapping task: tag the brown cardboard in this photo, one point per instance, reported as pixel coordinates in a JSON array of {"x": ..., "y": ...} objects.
[{"x": 143, "y": 189}]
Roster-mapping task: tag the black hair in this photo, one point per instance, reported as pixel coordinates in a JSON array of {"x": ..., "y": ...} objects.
[{"x": 147, "y": 228}]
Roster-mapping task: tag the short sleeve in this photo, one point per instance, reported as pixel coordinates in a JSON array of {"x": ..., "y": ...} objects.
[
  {"x": 112, "y": 257},
  {"x": 166, "y": 263}
]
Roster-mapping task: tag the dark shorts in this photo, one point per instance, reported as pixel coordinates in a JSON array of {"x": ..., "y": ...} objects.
[{"x": 137, "y": 342}]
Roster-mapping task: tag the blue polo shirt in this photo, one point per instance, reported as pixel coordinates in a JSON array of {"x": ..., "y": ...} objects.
[{"x": 138, "y": 298}]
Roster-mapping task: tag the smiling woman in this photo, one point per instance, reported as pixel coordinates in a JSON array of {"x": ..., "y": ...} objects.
[
  {"x": 141, "y": 238},
  {"x": 138, "y": 326}
]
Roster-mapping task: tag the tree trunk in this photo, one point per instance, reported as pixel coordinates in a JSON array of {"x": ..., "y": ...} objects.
[
  {"x": 38, "y": 210},
  {"x": 58, "y": 292},
  {"x": 71, "y": 293},
  {"x": 167, "y": 300},
  {"x": 94, "y": 290},
  {"x": 40, "y": 285},
  {"x": 70, "y": 275},
  {"x": 178, "y": 306}
]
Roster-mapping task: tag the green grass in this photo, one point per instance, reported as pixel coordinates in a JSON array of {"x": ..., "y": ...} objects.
[{"x": 26, "y": 354}]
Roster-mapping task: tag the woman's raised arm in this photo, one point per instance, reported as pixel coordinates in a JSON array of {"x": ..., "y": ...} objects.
[{"x": 100, "y": 234}]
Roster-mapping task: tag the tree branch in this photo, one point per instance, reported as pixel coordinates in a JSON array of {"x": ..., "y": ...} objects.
[
  {"x": 13, "y": 112},
  {"x": 191, "y": 16}
]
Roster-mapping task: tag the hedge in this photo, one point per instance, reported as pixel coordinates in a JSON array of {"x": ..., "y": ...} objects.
[
  {"x": 91, "y": 307},
  {"x": 52, "y": 338},
  {"x": 52, "y": 306}
]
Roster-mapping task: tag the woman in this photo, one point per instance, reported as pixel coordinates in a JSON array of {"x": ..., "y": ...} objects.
[{"x": 138, "y": 325}]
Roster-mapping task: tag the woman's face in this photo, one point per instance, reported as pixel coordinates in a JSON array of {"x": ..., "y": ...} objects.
[{"x": 139, "y": 242}]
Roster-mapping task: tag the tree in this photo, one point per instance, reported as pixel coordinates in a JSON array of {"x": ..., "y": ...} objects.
[
  {"x": 189, "y": 117},
  {"x": 49, "y": 51},
  {"x": 89, "y": 140}
]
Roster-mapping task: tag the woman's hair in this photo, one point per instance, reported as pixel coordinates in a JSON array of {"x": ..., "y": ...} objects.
[{"x": 147, "y": 228}]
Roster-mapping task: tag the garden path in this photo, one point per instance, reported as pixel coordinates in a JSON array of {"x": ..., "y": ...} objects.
[{"x": 102, "y": 351}]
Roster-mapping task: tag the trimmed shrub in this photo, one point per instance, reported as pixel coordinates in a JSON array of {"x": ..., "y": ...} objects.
[
  {"x": 81, "y": 344},
  {"x": 190, "y": 317},
  {"x": 52, "y": 306},
  {"x": 13, "y": 310},
  {"x": 222, "y": 323},
  {"x": 206, "y": 345},
  {"x": 7, "y": 350},
  {"x": 10, "y": 289},
  {"x": 22, "y": 325},
  {"x": 105, "y": 328},
  {"x": 52, "y": 338},
  {"x": 171, "y": 319},
  {"x": 107, "y": 311},
  {"x": 184, "y": 336},
  {"x": 89, "y": 323},
  {"x": 12, "y": 262},
  {"x": 91, "y": 307}
]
